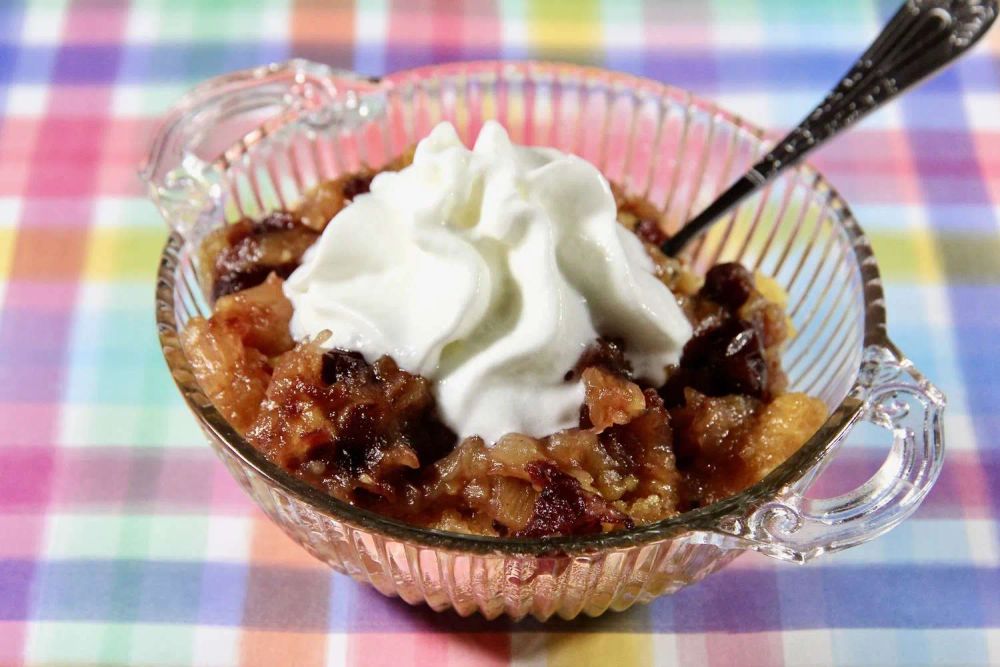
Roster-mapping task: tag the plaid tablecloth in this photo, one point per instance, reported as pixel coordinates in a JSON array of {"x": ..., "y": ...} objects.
[{"x": 123, "y": 541}]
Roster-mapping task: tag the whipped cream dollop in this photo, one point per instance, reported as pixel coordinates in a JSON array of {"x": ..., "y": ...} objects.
[{"x": 488, "y": 271}]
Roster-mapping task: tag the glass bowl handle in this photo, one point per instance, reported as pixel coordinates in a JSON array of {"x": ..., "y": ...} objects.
[
  {"x": 220, "y": 118},
  {"x": 896, "y": 397}
]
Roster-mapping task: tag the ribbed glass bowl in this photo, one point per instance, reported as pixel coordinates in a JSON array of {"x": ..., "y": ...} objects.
[{"x": 247, "y": 143}]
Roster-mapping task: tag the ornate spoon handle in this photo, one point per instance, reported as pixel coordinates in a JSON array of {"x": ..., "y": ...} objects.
[{"x": 922, "y": 37}]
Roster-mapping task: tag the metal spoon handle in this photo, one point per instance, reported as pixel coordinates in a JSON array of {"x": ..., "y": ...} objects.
[{"x": 922, "y": 37}]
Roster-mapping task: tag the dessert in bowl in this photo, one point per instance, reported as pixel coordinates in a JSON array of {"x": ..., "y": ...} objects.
[{"x": 425, "y": 433}]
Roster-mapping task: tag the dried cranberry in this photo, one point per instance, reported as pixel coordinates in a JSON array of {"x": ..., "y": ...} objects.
[
  {"x": 729, "y": 285},
  {"x": 343, "y": 364},
  {"x": 725, "y": 359},
  {"x": 608, "y": 353},
  {"x": 432, "y": 440},
  {"x": 231, "y": 281},
  {"x": 357, "y": 422},
  {"x": 256, "y": 248},
  {"x": 672, "y": 392},
  {"x": 651, "y": 232},
  {"x": 356, "y": 185},
  {"x": 563, "y": 507}
]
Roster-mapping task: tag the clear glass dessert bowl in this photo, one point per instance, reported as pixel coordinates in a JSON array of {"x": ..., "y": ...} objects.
[{"x": 247, "y": 143}]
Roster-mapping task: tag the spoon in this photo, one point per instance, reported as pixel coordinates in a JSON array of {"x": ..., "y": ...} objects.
[{"x": 922, "y": 37}]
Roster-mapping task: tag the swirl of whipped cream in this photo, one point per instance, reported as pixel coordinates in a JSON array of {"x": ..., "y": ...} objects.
[{"x": 488, "y": 271}]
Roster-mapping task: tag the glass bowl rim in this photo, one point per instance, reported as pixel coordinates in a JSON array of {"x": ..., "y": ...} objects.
[{"x": 711, "y": 518}]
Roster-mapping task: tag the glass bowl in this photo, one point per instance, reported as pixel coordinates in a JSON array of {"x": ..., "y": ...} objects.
[{"x": 246, "y": 143}]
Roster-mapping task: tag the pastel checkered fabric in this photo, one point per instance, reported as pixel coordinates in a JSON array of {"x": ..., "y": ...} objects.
[{"x": 123, "y": 541}]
